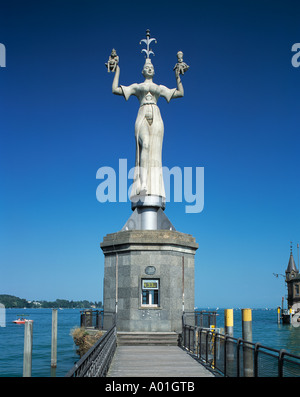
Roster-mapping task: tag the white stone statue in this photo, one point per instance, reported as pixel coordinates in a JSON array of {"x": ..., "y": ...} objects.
[
  {"x": 149, "y": 127},
  {"x": 180, "y": 65},
  {"x": 113, "y": 61}
]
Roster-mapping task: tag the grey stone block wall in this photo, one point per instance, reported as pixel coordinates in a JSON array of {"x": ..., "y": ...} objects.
[{"x": 129, "y": 254}]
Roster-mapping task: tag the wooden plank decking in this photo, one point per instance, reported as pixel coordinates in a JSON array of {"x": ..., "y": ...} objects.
[{"x": 155, "y": 361}]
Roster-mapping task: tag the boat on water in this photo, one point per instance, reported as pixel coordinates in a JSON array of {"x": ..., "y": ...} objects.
[{"x": 21, "y": 320}]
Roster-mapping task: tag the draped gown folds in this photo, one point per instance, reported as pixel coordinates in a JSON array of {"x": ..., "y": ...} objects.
[{"x": 149, "y": 133}]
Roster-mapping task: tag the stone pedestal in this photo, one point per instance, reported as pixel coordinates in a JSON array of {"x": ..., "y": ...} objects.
[{"x": 140, "y": 263}]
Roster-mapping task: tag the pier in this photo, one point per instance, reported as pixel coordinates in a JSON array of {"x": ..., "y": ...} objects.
[
  {"x": 155, "y": 361},
  {"x": 200, "y": 350}
]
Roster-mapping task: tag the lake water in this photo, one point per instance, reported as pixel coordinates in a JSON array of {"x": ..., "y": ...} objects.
[
  {"x": 12, "y": 342},
  {"x": 264, "y": 327}
]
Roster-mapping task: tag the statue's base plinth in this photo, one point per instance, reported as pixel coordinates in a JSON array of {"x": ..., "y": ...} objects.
[
  {"x": 148, "y": 214},
  {"x": 149, "y": 278}
]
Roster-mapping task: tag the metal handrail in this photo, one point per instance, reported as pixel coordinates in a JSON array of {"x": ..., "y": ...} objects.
[
  {"x": 206, "y": 351},
  {"x": 96, "y": 361}
]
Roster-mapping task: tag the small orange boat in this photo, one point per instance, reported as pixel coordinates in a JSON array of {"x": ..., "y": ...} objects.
[{"x": 20, "y": 320}]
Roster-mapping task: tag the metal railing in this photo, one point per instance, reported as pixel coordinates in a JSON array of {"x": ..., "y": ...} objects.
[
  {"x": 96, "y": 361},
  {"x": 96, "y": 319},
  {"x": 236, "y": 357},
  {"x": 200, "y": 318},
  {"x": 91, "y": 318}
]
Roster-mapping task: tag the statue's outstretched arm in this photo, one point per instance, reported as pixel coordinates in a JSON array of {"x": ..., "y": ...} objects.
[
  {"x": 116, "y": 89},
  {"x": 179, "y": 91}
]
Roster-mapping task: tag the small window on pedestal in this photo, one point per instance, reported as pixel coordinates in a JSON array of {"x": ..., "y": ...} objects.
[{"x": 150, "y": 292}]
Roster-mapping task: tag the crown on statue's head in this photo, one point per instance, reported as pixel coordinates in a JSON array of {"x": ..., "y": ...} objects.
[{"x": 147, "y": 41}]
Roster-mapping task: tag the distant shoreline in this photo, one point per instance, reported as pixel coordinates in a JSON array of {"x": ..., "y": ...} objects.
[{"x": 14, "y": 302}]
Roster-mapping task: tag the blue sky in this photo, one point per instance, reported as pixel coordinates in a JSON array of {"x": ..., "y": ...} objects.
[{"x": 239, "y": 119}]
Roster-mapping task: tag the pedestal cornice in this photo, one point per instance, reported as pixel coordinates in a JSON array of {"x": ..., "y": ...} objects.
[{"x": 152, "y": 240}]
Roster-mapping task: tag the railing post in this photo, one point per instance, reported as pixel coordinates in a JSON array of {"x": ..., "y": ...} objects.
[
  {"x": 256, "y": 350},
  {"x": 225, "y": 354},
  {"x": 186, "y": 336},
  {"x": 203, "y": 336},
  {"x": 97, "y": 319},
  {"x": 82, "y": 319},
  {"x": 280, "y": 362},
  {"x": 194, "y": 340},
  {"x": 238, "y": 344},
  {"x": 206, "y": 344},
  {"x": 215, "y": 348},
  {"x": 199, "y": 342}
]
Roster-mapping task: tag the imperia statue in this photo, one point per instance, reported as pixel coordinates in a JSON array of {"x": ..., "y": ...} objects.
[{"x": 149, "y": 126}]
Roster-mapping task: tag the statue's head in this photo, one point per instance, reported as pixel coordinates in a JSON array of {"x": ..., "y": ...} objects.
[
  {"x": 148, "y": 69},
  {"x": 180, "y": 56}
]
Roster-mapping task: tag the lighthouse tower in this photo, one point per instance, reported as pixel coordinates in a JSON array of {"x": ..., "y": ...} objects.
[{"x": 293, "y": 283}]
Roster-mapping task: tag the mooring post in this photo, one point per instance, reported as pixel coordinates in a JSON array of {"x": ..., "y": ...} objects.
[
  {"x": 247, "y": 336},
  {"x": 54, "y": 339},
  {"x": 278, "y": 315},
  {"x": 228, "y": 321},
  {"x": 27, "y": 358}
]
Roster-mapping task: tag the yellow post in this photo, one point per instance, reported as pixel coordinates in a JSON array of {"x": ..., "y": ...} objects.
[
  {"x": 247, "y": 314},
  {"x": 278, "y": 315},
  {"x": 228, "y": 320},
  {"x": 212, "y": 328},
  {"x": 247, "y": 336}
]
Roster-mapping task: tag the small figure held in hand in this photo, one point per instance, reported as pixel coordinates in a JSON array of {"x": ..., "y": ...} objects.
[
  {"x": 112, "y": 61},
  {"x": 180, "y": 67}
]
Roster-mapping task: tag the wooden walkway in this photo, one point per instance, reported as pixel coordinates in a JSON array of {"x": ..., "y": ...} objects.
[{"x": 155, "y": 361}]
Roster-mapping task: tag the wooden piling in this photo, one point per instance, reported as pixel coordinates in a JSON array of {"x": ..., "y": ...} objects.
[
  {"x": 54, "y": 339},
  {"x": 27, "y": 357}
]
